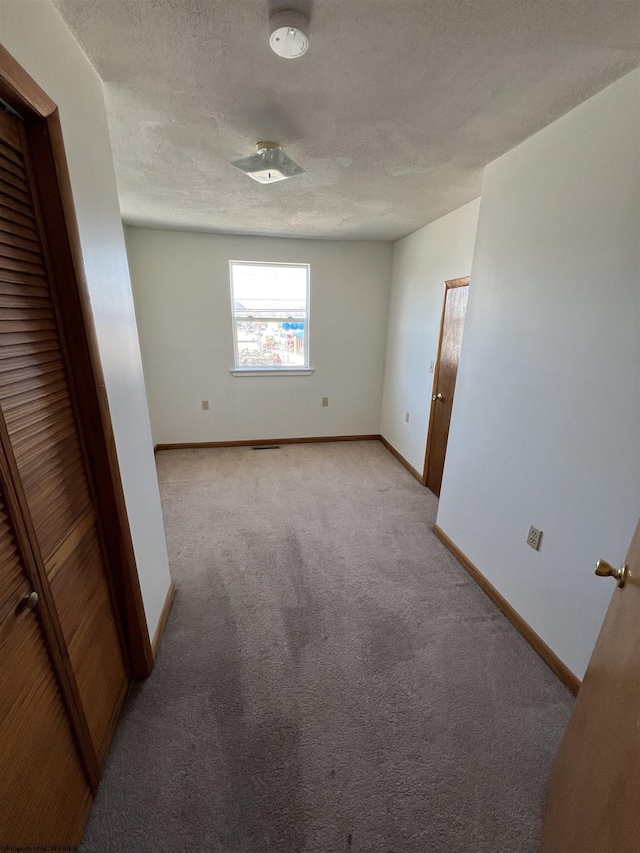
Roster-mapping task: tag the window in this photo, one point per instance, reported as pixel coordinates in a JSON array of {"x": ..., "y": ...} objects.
[{"x": 270, "y": 306}]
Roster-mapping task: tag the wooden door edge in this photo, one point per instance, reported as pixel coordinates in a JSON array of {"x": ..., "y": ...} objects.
[
  {"x": 535, "y": 641},
  {"x": 23, "y": 95},
  {"x": 452, "y": 282}
]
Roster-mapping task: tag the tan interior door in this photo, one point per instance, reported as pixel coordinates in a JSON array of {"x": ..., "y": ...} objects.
[
  {"x": 44, "y": 793},
  {"x": 593, "y": 803},
  {"x": 37, "y": 396},
  {"x": 446, "y": 371}
]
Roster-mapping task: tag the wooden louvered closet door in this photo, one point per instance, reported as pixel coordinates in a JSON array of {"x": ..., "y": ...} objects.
[
  {"x": 37, "y": 403},
  {"x": 44, "y": 794}
]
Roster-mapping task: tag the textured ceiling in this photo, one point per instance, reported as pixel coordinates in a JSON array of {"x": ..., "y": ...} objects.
[{"x": 393, "y": 112}]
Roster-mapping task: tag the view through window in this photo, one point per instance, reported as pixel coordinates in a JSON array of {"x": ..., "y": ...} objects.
[{"x": 270, "y": 304}]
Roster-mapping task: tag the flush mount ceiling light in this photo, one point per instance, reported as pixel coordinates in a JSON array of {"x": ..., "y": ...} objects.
[
  {"x": 269, "y": 165},
  {"x": 289, "y": 37}
]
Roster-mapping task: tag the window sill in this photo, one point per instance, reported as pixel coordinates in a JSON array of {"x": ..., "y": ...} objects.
[{"x": 268, "y": 371}]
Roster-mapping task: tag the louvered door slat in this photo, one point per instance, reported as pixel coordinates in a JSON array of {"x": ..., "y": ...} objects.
[
  {"x": 14, "y": 214},
  {"x": 19, "y": 265},
  {"x": 22, "y": 277},
  {"x": 10, "y": 174},
  {"x": 18, "y": 211},
  {"x": 11, "y": 189},
  {"x": 11, "y": 150},
  {"x": 26, "y": 342},
  {"x": 7, "y": 326},
  {"x": 29, "y": 397},
  {"x": 21, "y": 299},
  {"x": 47, "y": 412},
  {"x": 53, "y": 419},
  {"x": 34, "y": 366},
  {"x": 13, "y": 394},
  {"x": 8, "y": 250},
  {"x": 40, "y": 356},
  {"x": 18, "y": 241},
  {"x": 12, "y": 313},
  {"x": 9, "y": 290},
  {"x": 8, "y": 226},
  {"x": 34, "y": 406},
  {"x": 35, "y": 468},
  {"x": 9, "y": 165},
  {"x": 46, "y": 476}
]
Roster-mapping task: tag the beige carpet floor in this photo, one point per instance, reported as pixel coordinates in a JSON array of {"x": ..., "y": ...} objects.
[{"x": 330, "y": 678}]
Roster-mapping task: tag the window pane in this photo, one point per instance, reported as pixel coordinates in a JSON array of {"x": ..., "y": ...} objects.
[
  {"x": 270, "y": 311},
  {"x": 270, "y": 344},
  {"x": 269, "y": 291}
]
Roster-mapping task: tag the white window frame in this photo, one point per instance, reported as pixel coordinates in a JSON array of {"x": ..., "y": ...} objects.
[{"x": 284, "y": 370}]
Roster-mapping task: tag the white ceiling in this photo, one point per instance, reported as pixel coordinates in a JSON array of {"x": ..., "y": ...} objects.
[{"x": 393, "y": 112}]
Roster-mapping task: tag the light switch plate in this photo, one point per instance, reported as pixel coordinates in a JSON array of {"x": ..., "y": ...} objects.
[
  {"x": 205, "y": 405},
  {"x": 325, "y": 401}
]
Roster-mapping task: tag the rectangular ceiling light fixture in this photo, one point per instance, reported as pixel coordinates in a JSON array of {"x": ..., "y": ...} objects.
[{"x": 269, "y": 165}]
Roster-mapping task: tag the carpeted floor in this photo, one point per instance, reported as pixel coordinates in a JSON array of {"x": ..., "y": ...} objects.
[{"x": 330, "y": 679}]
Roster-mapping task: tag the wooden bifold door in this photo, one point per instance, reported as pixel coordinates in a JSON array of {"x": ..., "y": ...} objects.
[
  {"x": 45, "y": 788},
  {"x": 66, "y": 635}
]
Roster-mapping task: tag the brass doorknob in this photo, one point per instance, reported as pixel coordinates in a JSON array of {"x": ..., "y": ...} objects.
[
  {"x": 606, "y": 570},
  {"x": 437, "y": 397},
  {"x": 30, "y": 601}
]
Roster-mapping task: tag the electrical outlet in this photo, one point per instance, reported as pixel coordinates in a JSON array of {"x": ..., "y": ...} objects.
[
  {"x": 406, "y": 417},
  {"x": 325, "y": 401},
  {"x": 205, "y": 405},
  {"x": 534, "y": 538},
  {"x": 432, "y": 366}
]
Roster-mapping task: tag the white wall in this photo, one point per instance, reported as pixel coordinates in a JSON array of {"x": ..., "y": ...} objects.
[
  {"x": 38, "y": 39},
  {"x": 181, "y": 289},
  {"x": 422, "y": 262},
  {"x": 546, "y": 419}
]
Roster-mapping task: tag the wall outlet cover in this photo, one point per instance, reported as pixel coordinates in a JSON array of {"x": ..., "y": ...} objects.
[
  {"x": 325, "y": 401},
  {"x": 205, "y": 405},
  {"x": 534, "y": 538}
]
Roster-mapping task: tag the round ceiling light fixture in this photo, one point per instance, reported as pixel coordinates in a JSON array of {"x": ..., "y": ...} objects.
[{"x": 289, "y": 37}]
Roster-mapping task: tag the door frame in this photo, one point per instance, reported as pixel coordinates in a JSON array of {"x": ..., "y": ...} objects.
[
  {"x": 41, "y": 120},
  {"x": 448, "y": 285}
]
